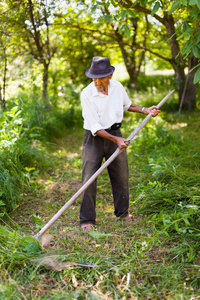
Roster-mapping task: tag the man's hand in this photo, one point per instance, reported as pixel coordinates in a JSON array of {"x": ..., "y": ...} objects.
[
  {"x": 121, "y": 142},
  {"x": 145, "y": 110},
  {"x": 153, "y": 109}
]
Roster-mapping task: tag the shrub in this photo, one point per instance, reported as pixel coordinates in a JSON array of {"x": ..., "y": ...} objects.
[{"x": 17, "y": 156}]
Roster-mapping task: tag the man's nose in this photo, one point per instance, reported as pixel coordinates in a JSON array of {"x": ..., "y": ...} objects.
[{"x": 98, "y": 81}]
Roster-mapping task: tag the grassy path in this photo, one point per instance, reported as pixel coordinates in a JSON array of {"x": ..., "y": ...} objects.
[{"x": 126, "y": 260}]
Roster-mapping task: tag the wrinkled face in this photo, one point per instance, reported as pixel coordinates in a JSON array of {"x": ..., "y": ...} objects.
[{"x": 102, "y": 83}]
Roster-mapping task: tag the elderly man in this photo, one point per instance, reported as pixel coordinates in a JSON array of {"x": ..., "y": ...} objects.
[{"x": 103, "y": 102}]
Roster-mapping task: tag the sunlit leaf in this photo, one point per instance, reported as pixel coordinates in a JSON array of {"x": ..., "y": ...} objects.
[
  {"x": 131, "y": 13},
  {"x": 155, "y": 8},
  {"x": 134, "y": 3},
  {"x": 175, "y": 5},
  {"x": 113, "y": 3}
]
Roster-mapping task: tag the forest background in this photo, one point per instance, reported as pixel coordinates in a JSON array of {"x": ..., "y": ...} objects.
[{"x": 45, "y": 48}]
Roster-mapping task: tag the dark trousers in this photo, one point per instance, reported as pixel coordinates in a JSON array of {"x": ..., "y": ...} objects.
[{"x": 94, "y": 150}]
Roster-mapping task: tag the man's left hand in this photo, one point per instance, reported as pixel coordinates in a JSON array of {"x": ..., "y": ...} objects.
[{"x": 153, "y": 109}]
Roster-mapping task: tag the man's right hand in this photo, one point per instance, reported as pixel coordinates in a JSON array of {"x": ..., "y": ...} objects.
[{"x": 121, "y": 142}]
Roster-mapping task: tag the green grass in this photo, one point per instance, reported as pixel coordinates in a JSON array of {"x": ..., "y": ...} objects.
[{"x": 155, "y": 256}]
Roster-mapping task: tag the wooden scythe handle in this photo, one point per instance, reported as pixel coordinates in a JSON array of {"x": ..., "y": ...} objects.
[{"x": 96, "y": 174}]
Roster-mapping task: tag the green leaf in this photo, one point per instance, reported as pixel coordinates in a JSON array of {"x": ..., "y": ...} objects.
[
  {"x": 127, "y": 31},
  {"x": 121, "y": 28},
  {"x": 28, "y": 239},
  {"x": 186, "y": 26},
  {"x": 107, "y": 18},
  {"x": 131, "y": 13},
  {"x": 101, "y": 18},
  {"x": 107, "y": 4},
  {"x": 93, "y": 8},
  {"x": 187, "y": 46},
  {"x": 193, "y": 2},
  {"x": 176, "y": 227},
  {"x": 195, "y": 67},
  {"x": 97, "y": 235},
  {"x": 32, "y": 249},
  {"x": 144, "y": 2},
  {"x": 195, "y": 12},
  {"x": 180, "y": 37},
  {"x": 196, "y": 51},
  {"x": 184, "y": 2},
  {"x": 111, "y": 20},
  {"x": 197, "y": 76},
  {"x": 198, "y": 4},
  {"x": 134, "y": 4},
  {"x": 123, "y": 13},
  {"x": 155, "y": 8},
  {"x": 113, "y": 3},
  {"x": 175, "y": 5}
]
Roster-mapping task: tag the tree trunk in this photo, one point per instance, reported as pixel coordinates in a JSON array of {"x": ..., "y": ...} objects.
[
  {"x": 177, "y": 59},
  {"x": 129, "y": 61},
  {"x": 45, "y": 85},
  {"x": 180, "y": 80},
  {"x": 189, "y": 101}
]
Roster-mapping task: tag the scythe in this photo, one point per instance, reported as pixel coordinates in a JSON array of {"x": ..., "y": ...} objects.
[{"x": 96, "y": 174}]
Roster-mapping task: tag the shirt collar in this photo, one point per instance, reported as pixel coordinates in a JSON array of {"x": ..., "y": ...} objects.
[{"x": 96, "y": 93}]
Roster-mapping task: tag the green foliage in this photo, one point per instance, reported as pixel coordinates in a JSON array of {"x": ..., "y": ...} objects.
[
  {"x": 155, "y": 82},
  {"x": 16, "y": 249},
  {"x": 45, "y": 125},
  {"x": 170, "y": 195},
  {"x": 190, "y": 31},
  {"x": 17, "y": 156},
  {"x": 22, "y": 156}
]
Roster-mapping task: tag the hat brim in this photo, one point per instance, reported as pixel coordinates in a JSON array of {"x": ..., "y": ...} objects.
[{"x": 90, "y": 75}]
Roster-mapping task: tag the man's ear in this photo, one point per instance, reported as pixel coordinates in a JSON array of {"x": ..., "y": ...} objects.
[{"x": 110, "y": 76}]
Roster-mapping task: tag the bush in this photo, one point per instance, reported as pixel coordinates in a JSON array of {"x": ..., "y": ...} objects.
[
  {"x": 43, "y": 124},
  {"x": 17, "y": 156}
]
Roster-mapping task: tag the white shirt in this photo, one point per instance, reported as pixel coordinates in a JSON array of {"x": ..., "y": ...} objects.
[{"x": 102, "y": 111}]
